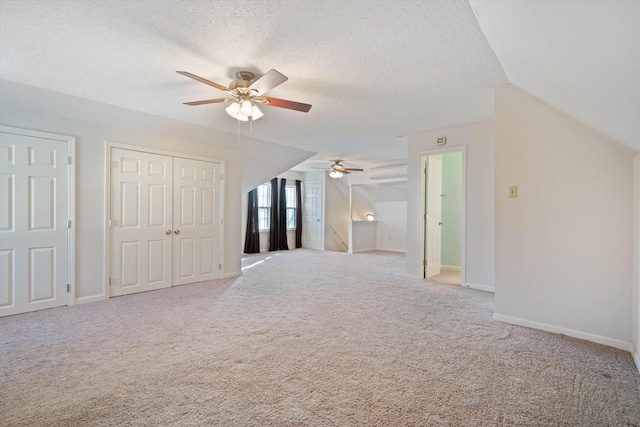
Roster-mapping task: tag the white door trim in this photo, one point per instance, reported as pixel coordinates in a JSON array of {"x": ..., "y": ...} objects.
[
  {"x": 107, "y": 200},
  {"x": 463, "y": 214},
  {"x": 71, "y": 205}
]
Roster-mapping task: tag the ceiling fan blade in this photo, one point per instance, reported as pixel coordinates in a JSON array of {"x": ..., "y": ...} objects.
[
  {"x": 202, "y": 80},
  {"x": 345, "y": 171},
  {"x": 267, "y": 82},
  {"x": 208, "y": 101},
  {"x": 354, "y": 169},
  {"x": 283, "y": 103}
]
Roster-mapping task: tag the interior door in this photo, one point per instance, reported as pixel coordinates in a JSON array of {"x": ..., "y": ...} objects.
[
  {"x": 34, "y": 203},
  {"x": 141, "y": 221},
  {"x": 196, "y": 201},
  {"x": 434, "y": 216},
  {"x": 312, "y": 215}
]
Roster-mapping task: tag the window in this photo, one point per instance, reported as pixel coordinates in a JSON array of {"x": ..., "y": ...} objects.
[
  {"x": 264, "y": 206},
  {"x": 291, "y": 207}
]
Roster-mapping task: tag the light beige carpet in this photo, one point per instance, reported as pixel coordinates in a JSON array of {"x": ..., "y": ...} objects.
[{"x": 305, "y": 338}]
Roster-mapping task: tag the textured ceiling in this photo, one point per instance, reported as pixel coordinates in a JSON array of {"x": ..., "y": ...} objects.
[
  {"x": 374, "y": 71},
  {"x": 582, "y": 57}
]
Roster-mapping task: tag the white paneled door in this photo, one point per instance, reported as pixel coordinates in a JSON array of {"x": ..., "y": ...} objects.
[
  {"x": 34, "y": 215},
  {"x": 165, "y": 226},
  {"x": 141, "y": 221},
  {"x": 196, "y": 201},
  {"x": 312, "y": 215},
  {"x": 434, "y": 216}
]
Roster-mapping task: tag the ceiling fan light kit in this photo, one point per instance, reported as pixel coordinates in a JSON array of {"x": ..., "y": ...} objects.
[
  {"x": 244, "y": 111},
  {"x": 246, "y": 92}
]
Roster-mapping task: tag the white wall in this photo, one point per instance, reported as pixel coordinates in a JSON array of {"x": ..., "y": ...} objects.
[
  {"x": 262, "y": 161},
  {"x": 636, "y": 261},
  {"x": 363, "y": 236},
  {"x": 361, "y": 203},
  {"x": 391, "y": 219},
  {"x": 362, "y": 178},
  {"x": 563, "y": 247},
  {"x": 451, "y": 209},
  {"x": 479, "y": 139}
]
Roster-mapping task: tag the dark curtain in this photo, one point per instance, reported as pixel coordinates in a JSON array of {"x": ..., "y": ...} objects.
[
  {"x": 298, "y": 214},
  {"x": 274, "y": 234},
  {"x": 282, "y": 216},
  {"x": 252, "y": 237}
]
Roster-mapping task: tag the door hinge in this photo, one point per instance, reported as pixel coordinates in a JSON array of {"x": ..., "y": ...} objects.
[
  {"x": 219, "y": 266},
  {"x": 68, "y": 223},
  {"x": 109, "y": 281},
  {"x": 426, "y": 171},
  {"x": 221, "y": 221},
  {"x": 109, "y": 222},
  {"x": 68, "y": 287},
  {"x": 69, "y": 160}
]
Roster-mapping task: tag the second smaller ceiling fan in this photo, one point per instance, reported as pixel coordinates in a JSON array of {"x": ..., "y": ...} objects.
[{"x": 337, "y": 170}]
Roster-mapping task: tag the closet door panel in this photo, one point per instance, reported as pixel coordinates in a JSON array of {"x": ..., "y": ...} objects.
[
  {"x": 196, "y": 221},
  {"x": 141, "y": 221}
]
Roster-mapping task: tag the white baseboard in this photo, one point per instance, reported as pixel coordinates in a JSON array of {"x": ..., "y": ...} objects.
[
  {"x": 364, "y": 250},
  {"x": 92, "y": 298},
  {"x": 452, "y": 267},
  {"x": 611, "y": 342},
  {"x": 479, "y": 287},
  {"x": 232, "y": 274},
  {"x": 402, "y": 251},
  {"x": 636, "y": 358}
]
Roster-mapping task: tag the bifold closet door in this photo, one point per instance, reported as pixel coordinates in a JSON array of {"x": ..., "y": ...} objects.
[
  {"x": 196, "y": 238},
  {"x": 141, "y": 221}
]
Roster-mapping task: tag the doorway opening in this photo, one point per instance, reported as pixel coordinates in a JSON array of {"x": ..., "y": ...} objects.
[{"x": 444, "y": 215}]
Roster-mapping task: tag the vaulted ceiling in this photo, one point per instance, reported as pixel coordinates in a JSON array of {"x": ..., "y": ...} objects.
[
  {"x": 582, "y": 57},
  {"x": 375, "y": 71}
]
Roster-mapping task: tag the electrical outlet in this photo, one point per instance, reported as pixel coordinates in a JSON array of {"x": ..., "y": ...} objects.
[{"x": 513, "y": 191}]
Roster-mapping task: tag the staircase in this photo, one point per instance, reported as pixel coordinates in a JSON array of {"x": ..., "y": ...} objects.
[{"x": 338, "y": 239}]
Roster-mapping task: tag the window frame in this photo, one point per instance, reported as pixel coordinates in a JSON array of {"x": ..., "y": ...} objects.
[
  {"x": 264, "y": 210},
  {"x": 291, "y": 208}
]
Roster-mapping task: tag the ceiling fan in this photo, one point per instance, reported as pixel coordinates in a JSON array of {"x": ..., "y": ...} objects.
[
  {"x": 337, "y": 170},
  {"x": 246, "y": 93}
]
